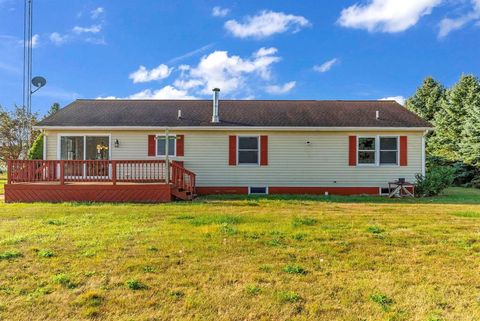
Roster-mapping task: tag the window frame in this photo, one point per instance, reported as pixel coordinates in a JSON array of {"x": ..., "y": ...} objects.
[
  {"x": 250, "y": 190},
  {"x": 389, "y": 150},
  {"x": 374, "y": 151},
  {"x": 174, "y": 145},
  {"x": 258, "y": 150},
  {"x": 377, "y": 151}
]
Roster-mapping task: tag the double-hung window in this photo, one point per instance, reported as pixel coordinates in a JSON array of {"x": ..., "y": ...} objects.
[
  {"x": 161, "y": 148},
  {"x": 367, "y": 150},
  {"x": 388, "y": 151},
  {"x": 378, "y": 150},
  {"x": 248, "y": 150}
]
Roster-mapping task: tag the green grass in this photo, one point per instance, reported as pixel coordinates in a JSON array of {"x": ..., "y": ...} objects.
[
  {"x": 244, "y": 258},
  {"x": 3, "y": 181}
]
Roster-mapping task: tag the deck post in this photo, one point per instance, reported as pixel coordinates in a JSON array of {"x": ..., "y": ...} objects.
[
  {"x": 9, "y": 171},
  {"x": 167, "y": 160},
  {"x": 62, "y": 172},
  {"x": 114, "y": 172}
]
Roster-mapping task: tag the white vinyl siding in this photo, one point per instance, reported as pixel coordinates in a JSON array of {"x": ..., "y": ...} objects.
[{"x": 292, "y": 162}]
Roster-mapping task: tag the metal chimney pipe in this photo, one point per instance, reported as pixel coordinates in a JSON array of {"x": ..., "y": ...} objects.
[{"x": 215, "y": 113}]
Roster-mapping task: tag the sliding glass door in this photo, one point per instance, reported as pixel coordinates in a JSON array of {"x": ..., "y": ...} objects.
[{"x": 85, "y": 148}]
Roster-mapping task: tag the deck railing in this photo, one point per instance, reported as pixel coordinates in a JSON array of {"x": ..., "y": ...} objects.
[{"x": 113, "y": 171}]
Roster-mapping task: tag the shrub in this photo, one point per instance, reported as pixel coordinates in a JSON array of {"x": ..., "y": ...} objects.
[
  {"x": 36, "y": 151},
  {"x": 435, "y": 181},
  {"x": 475, "y": 183}
]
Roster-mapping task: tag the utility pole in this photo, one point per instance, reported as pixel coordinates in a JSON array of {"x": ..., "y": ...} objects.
[{"x": 28, "y": 81}]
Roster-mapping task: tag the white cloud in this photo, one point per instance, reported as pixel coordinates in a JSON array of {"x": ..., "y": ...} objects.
[
  {"x": 57, "y": 38},
  {"x": 283, "y": 89},
  {"x": 167, "y": 92},
  {"x": 229, "y": 73},
  {"x": 144, "y": 75},
  {"x": 265, "y": 24},
  {"x": 220, "y": 12},
  {"x": 91, "y": 29},
  {"x": 95, "y": 13},
  {"x": 326, "y": 66},
  {"x": 448, "y": 25},
  {"x": 35, "y": 41},
  {"x": 398, "y": 99},
  {"x": 386, "y": 15},
  {"x": 236, "y": 76}
]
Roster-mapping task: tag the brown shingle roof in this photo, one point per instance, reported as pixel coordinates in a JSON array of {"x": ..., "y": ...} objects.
[{"x": 263, "y": 113}]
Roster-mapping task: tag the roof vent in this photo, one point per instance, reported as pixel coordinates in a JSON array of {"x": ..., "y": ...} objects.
[
  {"x": 377, "y": 115},
  {"x": 179, "y": 115},
  {"x": 215, "y": 113}
]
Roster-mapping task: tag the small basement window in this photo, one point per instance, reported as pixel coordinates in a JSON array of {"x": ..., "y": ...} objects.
[
  {"x": 384, "y": 191},
  {"x": 258, "y": 190}
]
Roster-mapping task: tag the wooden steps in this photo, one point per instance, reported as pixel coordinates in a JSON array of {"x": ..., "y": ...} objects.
[{"x": 181, "y": 194}]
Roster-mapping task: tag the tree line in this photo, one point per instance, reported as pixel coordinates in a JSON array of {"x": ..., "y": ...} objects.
[
  {"x": 17, "y": 136},
  {"x": 455, "y": 114}
]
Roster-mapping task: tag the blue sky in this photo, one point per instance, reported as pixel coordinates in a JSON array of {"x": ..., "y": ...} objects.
[{"x": 363, "y": 49}]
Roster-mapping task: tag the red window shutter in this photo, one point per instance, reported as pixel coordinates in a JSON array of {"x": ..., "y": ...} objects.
[
  {"x": 352, "y": 150},
  {"x": 232, "y": 150},
  {"x": 180, "y": 145},
  {"x": 263, "y": 150},
  {"x": 403, "y": 151},
  {"x": 151, "y": 145}
]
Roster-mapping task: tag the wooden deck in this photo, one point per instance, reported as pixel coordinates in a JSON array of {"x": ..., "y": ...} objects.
[{"x": 98, "y": 181}]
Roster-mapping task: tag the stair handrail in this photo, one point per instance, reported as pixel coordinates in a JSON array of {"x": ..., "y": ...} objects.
[{"x": 182, "y": 177}]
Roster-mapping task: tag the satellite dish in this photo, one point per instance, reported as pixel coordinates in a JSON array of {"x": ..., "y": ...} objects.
[{"x": 39, "y": 81}]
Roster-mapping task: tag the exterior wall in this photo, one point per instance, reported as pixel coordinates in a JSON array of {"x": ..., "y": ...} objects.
[{"x": 292, "y": 162}]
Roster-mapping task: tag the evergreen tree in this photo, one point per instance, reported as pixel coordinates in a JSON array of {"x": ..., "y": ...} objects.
[
  {"x": 470, "y": 144},
  {"x": 449, "y": 120},
  {"x": 36, "y": 151},
  {"x": 53, "y": 109},
  {"x": 427, "y": 99}
]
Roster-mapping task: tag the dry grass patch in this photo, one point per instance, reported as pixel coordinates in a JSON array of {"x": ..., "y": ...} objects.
[{"x": 274, "y": 258}]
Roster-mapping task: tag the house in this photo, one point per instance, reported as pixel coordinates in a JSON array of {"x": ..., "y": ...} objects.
[{"x": 220, "y": 147}]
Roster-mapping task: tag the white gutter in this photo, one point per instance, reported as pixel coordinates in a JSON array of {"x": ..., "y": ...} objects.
[{"x": 236, "y": 128}]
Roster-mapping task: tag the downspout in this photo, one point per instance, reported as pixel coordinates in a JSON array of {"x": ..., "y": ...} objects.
[{"x": 425, "y": 133}]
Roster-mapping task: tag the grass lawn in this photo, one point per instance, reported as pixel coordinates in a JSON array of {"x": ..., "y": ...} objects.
[
  {"x": 276, "y": 258},
  {"x": 3, "y": 181}
]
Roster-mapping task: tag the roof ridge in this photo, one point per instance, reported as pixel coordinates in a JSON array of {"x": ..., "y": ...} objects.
[{"x": 246, "y": 100}]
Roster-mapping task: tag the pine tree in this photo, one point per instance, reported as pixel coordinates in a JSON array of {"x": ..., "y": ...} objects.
[
  {"x": 470, "y": 144},
  {"x": 450, "y": 119},
  {"x": 53, "y": 109},
  {"x": 427, "y": 99}
]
